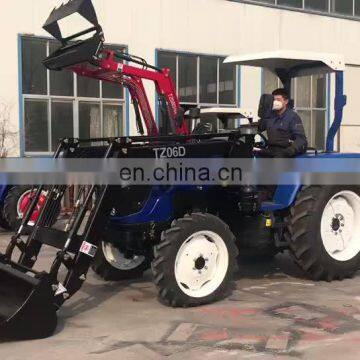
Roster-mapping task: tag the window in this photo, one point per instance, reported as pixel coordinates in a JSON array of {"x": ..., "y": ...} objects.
[
  {"x": 346, "y": 8},
  {"x": 317, "y": 5},
  {"x": 201, "y": 80},
  {"x": 309, "y": 93},
  {"x": 188, "y": 88},
  {"x": 292, "y": 3},
  {"x": 61, "y": 104}
]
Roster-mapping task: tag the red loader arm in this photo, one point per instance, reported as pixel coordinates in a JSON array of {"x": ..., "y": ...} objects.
[{"x": 131, "y": 77}]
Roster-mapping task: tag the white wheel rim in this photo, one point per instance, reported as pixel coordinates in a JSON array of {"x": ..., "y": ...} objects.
[
  {"x": 201, "y": 264},
  {"x": 118, "y": 260},
  {"x": 340, "y": 226}
]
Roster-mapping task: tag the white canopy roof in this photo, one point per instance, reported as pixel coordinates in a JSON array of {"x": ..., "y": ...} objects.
[{"x": 304, "y": 63}]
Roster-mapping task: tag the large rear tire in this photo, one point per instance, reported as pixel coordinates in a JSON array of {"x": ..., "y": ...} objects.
[
  {"x": 324, "y": 232},
  {"x": 195, "y": 261},
  {"x": 112, "y": 265}
]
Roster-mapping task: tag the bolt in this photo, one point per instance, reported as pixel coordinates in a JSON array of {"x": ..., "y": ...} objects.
[
  {"x": 66, "y": 295},
  {"x": 342, "y": 225},
  {"x": 200, "y": 272},
  {"x": 205, "y": 267},
  {"x": 206, "y": 259},
  {"x": 82, "y": 277}
]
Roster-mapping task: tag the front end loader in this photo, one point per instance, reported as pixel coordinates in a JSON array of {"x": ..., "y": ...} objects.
[{"x": 30, "y": 299}]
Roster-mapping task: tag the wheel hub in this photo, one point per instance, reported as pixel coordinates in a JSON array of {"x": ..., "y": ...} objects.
[
  {"x": 340, "y": 226},
  {"x": 337, "y": 223},
  {"x": 201, "y": 264}
]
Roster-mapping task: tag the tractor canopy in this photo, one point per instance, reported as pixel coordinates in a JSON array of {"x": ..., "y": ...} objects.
[{"x": 290, "y": 63}]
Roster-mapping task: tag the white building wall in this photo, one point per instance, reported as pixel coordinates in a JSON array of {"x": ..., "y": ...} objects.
[{"x": 216, "y": 27}]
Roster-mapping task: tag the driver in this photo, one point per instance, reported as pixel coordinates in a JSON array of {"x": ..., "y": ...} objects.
[{"x": 285, "y": 130}]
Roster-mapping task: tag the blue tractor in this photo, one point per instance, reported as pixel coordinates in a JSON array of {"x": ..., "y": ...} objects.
[{"x": 190, "y": 235}]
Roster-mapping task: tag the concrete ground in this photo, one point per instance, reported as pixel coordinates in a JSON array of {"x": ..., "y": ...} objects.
[{"x": 272, "y": 314}]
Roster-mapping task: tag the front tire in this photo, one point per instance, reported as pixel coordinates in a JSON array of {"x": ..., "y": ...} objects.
[
  {"x": 324, "y": 232},
  {"x": 195, "y": 261}
]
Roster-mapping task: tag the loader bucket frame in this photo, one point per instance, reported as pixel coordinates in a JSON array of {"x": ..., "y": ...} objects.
[
  {"x": 27, "y": 310},
  {"x": 83, "y": 7}
]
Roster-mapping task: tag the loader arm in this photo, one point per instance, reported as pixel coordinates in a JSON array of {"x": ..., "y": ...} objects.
[{"x": 110, "y": 70}]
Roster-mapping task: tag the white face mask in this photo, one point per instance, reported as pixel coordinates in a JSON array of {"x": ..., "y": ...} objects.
[{"x": 278, "y": 105}]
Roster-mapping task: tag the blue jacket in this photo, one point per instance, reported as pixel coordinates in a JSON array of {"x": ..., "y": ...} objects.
[{"x": 285, "y": 130}]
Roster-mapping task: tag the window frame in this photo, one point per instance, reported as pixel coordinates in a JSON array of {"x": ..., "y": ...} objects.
[
  {"x": 75, "y": 99},
  {"x": 303, "y": 9},
  {"x": 311, "y": 108},
  {"x": 237, "y": 99}
]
